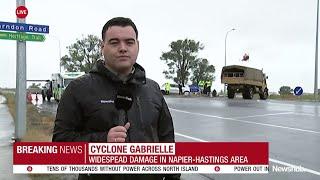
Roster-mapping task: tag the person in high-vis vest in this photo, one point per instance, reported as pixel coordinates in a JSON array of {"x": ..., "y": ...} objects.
[{"x": 167, "y": 88}]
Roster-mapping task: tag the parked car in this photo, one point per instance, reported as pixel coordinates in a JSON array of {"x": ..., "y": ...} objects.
[{"x": 174, "y": 89}]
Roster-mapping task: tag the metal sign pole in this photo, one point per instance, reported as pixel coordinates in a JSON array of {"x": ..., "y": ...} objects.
[
  {"x": 21, "y": 85},
  {"x": 316, "y": 58}
]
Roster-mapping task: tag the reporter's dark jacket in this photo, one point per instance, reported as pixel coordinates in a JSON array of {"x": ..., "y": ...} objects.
[{"x": 86, "y": 112}]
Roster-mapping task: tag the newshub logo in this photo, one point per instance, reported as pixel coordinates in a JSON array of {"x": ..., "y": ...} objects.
[{"x": 276, "y": 168}]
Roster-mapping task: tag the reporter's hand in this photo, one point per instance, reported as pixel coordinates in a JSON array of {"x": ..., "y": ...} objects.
[{"x": 118, "y": 133}]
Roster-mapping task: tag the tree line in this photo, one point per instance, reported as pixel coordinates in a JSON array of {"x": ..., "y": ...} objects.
[{"x": 183, "y": 63}]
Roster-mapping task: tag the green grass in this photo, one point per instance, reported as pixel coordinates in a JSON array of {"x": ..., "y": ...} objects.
[
  {"x": 305, "y": 97},
  {"x": 39, "y": 125}
]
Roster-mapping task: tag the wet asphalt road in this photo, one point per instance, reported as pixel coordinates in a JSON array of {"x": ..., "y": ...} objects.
[
  {"x": 6, "y": 133},
  {"x": 291, "y": 128}
]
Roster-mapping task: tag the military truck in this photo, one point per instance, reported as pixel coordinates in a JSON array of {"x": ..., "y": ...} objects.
[{"x": 245, "y": 80}]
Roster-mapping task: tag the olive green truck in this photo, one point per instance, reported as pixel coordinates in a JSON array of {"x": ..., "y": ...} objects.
[{"x": 245, "y": 80}]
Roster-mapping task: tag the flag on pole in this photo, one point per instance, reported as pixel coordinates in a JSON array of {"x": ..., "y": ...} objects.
[{"x": 245, "y": 57}]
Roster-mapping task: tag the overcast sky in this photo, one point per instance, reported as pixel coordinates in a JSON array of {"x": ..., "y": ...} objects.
[{"x": 279, "y": 35}]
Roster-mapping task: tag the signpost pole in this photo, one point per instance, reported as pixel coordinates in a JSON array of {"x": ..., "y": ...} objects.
[
  {"x": 316, "y": 58},
  {"x": 21, "y": 85}
]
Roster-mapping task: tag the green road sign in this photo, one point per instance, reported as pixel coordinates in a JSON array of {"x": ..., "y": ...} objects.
[{"x": 22, "y": 36}]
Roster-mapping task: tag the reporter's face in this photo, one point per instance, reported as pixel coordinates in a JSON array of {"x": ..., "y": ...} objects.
[{"x": 120, "y": 48}]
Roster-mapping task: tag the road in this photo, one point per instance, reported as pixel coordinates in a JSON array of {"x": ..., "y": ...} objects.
[
  {"x": 291, "y": 128},
  {"x": 6, "y": 133}
]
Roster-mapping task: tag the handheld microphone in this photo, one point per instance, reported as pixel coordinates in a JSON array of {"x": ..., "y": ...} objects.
[{"x": 123, "y": 103}]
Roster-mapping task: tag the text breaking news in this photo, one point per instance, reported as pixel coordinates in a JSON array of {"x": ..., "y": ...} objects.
[{"x": 143, "y": 158}]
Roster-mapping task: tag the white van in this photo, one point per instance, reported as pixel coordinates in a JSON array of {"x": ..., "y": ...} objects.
[{"x": 174, "y": 89}]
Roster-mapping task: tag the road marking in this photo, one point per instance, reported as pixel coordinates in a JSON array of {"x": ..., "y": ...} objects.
[
  {"x": 261, "y": 115},
  {"x": 189, "y": 137},
  {"x": 270, "y": 159},
  {"x": 249, "y": 122},
  {"x": 305, "y": 114},
  {"x": 287, "y": 104}
]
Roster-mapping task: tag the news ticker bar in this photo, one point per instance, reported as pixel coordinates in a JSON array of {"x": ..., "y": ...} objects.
[
  {"x": 140, "y": 169},
  {"x": 182, "y": 157}
]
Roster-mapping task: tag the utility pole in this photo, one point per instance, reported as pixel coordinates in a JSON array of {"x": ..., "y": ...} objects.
[
  {"x": 316, "y": 58},
  {"x": 59, "y": 56},
  {"x": 225, "y": 55},
  {"x": 21, "y": 85}
]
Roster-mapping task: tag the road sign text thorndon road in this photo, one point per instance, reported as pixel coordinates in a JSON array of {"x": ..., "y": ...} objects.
[
  {"x": 21, "y": 27},
  {"x": 21, "y": 36}
]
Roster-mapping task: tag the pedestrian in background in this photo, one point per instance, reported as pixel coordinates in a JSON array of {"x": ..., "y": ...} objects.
[
  {"x": 29, "y": 97},
  {"x": 180, "y": 89},
  {"x": 167, "y": 88},
  {"x": 37, "y": 97}
]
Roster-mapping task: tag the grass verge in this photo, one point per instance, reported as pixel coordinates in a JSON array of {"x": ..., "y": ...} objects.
[
  {"x": 39, "y": 129},
  {"x": 39, "y": 125},
  {"x": 291, "y": 97}
]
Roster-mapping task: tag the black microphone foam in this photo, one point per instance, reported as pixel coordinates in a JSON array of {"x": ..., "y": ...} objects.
[
  {"x": 123, "y": 103},
  {"x": 123, "y": 99}
]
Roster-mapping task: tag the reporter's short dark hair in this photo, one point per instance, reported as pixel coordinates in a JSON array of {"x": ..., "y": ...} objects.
[{"x": 119, "y": 21}]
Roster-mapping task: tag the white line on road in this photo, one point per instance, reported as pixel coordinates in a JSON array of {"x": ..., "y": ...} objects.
[
  {"x": 287, "y": 104},
  {"x": 270, "y": 159},
  {"x": 261, "y": 115},
  {"x": 305, "y": 114},
  {"x": 189, "y": 137},
  {"x": 249, "y": 122}
]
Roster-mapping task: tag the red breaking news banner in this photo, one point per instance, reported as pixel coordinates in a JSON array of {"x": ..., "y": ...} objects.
[{"x": 117, "y": 158}]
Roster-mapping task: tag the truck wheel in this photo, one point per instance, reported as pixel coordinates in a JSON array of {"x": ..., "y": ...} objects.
[
  {"x": 264, "y": 95},
  {"x": 248, "y": 93},
  {"x": 231, "y": 94},
  {"x": 244, "y": 95}
]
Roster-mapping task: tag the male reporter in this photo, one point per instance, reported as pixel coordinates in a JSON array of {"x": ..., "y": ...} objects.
[{"x": 87, "y": 111}]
